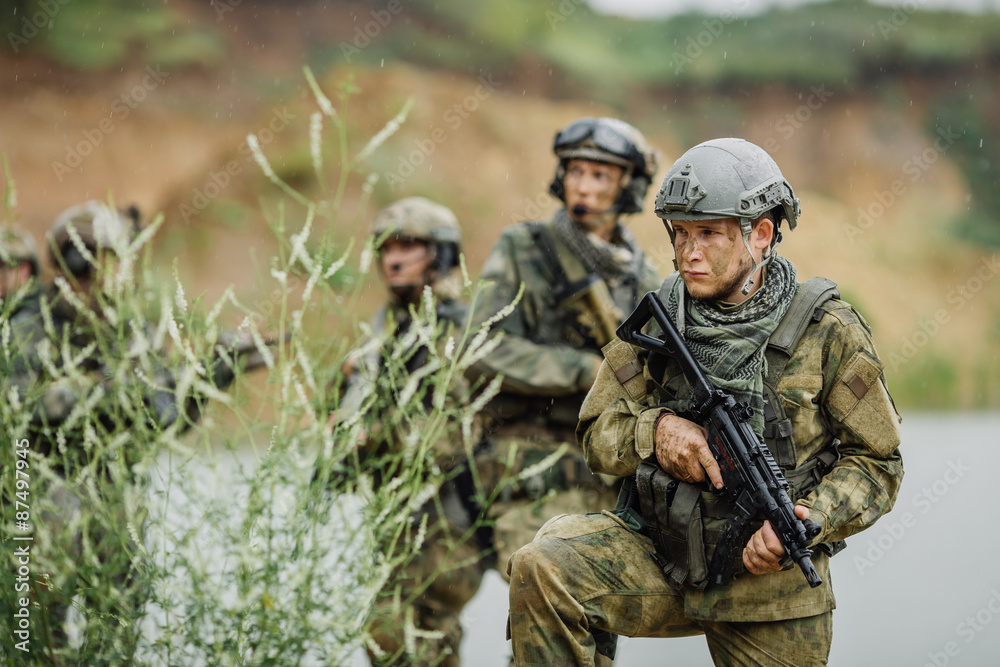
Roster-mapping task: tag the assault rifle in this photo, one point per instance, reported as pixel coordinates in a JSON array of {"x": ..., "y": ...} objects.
[
  {"x": 232, "y": 350},
  {"x": 753, "y": 482},
  {"x": 590, "y": 298}
]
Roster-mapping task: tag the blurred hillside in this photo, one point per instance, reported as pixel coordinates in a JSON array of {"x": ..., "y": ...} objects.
[{"x": 886, "y": 121}]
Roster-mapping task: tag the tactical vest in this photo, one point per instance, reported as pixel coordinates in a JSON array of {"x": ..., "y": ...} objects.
[{"x": 683, "y": 520}]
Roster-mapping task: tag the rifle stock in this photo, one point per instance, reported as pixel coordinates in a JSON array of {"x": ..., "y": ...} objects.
[
  {"x": 595, "y": 308},
  {"x": 752, "y": 479}
]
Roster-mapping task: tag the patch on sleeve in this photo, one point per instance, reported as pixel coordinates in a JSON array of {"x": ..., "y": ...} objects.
[
  {"x": 622, "y": 359},
  {"x": 859, "y": 401}
]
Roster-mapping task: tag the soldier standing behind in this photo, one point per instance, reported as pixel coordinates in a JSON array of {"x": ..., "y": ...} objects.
[
  {"x": 581, "y": 272},
  {"x": 419, "y": 244},
  {"x": 802, "y": 359}
]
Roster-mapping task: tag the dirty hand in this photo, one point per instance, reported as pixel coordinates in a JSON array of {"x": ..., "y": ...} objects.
[{"x": 682, "y": 450}]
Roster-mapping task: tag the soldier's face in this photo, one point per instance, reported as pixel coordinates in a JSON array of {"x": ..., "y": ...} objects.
[
  {"x": 405, "y": 262},
  {"x": 591, "y": 190},
  {"x": 712, "y": 259},
  {"x": 12, "y": 277}
]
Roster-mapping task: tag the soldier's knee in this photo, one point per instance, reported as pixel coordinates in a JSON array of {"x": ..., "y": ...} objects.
[{"x": 534, "y": 566}]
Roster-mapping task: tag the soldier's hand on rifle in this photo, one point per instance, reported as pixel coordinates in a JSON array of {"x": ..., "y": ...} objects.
[
  {"x": 763, "y": 553},
  {"x": 682, "y": 450}
]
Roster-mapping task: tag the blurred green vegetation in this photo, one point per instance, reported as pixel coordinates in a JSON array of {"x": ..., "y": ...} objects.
[
  {"x": 105, "y": 34},
  {"x": 782, "y": 45},
  {"x": 839, "y": 43},
  {"x": 967, "y": 113}
]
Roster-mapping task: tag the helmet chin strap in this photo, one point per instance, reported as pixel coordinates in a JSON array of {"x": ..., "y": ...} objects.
[{"x": 746, "y": 228}]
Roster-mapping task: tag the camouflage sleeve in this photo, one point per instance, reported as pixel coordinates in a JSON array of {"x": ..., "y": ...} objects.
[
  {"x": 529, "y": 365},
  {"x": 616, "y": 431},
  {"x": 855, "y": 403}
]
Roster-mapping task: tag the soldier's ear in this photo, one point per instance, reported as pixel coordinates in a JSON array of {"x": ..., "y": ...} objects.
[{"x": 763, "y": 232}]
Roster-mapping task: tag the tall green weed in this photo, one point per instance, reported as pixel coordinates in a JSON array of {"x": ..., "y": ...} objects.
[{"x": 247, "y": 531}]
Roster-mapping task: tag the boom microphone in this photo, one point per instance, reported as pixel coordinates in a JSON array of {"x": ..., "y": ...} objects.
[{"x": 579, "y": 210}]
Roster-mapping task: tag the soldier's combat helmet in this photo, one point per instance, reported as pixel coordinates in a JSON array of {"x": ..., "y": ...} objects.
[
  {"x": 18, "y": 245},
  {"x": 613, "y": 141},
  {"x": 421, "y": 219},
  {"x": 99, "y": 227},
  {"x": 728, "y": 178}
]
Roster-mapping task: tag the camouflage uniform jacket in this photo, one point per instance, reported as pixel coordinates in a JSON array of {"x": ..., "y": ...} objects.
[
  {"x": 548, "y": 359},
  {"x": 834, "y": 397}
]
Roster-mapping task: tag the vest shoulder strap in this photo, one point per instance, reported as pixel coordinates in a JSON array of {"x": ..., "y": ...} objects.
[
  {"x": 808, "y": 297},
  {"x": 668, "y": 284},
  {"x": 804, "y": 309}
]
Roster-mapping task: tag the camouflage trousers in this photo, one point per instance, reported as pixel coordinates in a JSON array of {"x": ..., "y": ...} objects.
[
  {"x": 589, "y": 572},
  {"x": 423, "y": 607},
  {"x": 452, "y": 574}
]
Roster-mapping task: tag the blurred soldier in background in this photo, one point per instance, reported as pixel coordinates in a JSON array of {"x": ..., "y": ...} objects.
[
  {"x": 18, "y": 265},
  {"x": 418, "y": 250},
  {"x": 56, "y": 364},
  {"x": 581, "y": 272},
  {"x": 84, "y": 390}
]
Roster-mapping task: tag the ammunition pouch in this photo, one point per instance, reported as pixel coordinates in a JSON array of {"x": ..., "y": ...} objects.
[
  {"x": 685, "y": 523},
  {"x": 671, "y": 511}
]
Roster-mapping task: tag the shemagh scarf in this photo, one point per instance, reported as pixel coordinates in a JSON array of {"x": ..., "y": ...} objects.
[
  {"x": 612, "y": 261},
  {"x": 729, "y": 343}
]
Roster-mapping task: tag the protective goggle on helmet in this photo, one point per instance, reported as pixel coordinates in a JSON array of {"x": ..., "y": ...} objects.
[{"x": 612, "y": 141}]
